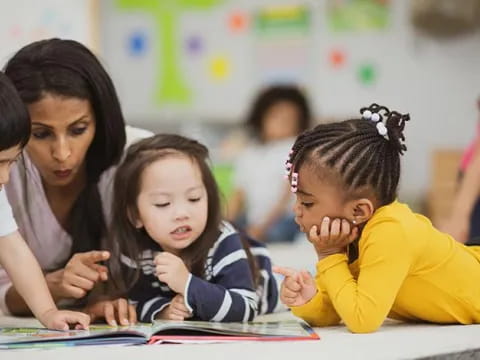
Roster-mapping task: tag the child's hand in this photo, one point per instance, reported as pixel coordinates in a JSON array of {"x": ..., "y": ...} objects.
[
  {"x": 172, "y": 271},
  {"x": 298, "y": 287},
  {"x": 60, "y": 319},
  {"x": 333, "y": 238},
  {"x": 176, "y": 310},
  {"x": 115, "y": 312}
]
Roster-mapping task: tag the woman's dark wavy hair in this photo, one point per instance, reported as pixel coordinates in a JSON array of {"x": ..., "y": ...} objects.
[
  {"x": 125, "y": 239},
  {"x": 272, "y": 96},
  {"x": 354, "y": 152},
  {"x": 14, "y": 119},
  {"x": 67, "y": 68}
]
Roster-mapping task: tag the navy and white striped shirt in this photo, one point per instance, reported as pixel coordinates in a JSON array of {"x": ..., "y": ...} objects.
[{"x": 224, "y": 293}]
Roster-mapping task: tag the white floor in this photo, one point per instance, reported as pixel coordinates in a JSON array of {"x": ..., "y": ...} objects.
[
  {"x": 393, "y": 341},
  {"x": 299, "y": 254}
]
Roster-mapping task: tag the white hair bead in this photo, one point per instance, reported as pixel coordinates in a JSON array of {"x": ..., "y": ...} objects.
[
  {"x": 375, "y": 117},
  {"x": 382, "y": 129},
  {"x": 367, "y": 114}
]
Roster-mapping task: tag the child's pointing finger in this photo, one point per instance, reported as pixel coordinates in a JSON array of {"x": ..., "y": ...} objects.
[{"x": 285, "y": 271}]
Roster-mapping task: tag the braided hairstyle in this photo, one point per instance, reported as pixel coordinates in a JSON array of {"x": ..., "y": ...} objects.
[{"x": 363, "y": 153}]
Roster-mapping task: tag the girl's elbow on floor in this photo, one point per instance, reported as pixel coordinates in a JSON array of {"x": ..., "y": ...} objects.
[
  {"x": 363, "y": 327},
  {"x": 324, "y": 323},
  {"x": 321, "y": 321}
]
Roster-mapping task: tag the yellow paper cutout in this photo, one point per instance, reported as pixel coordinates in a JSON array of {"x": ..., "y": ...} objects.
[{"x": 220, "y": 67}]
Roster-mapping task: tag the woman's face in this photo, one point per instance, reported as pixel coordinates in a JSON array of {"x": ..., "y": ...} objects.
[{"x": 62, "y": 130}]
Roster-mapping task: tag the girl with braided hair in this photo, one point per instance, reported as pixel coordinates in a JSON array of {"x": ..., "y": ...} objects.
[{"x": 376, "y": 258}]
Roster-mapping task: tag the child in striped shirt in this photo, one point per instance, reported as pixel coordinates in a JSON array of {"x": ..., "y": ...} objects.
[{"x": 175, "y": 258}]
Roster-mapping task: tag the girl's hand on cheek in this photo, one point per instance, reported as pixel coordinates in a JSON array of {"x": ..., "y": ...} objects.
[{"x": 333, "y": 237}]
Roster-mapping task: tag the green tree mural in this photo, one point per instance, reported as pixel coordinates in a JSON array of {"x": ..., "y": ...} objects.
[{"x": 171, "y": 86}]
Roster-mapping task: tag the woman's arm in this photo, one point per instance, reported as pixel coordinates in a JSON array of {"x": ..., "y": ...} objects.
[{"x": 458, "y": 224}]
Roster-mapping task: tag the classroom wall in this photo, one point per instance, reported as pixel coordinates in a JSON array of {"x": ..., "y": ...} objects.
[
  {"x": 436, "y": 81},
  {"x": 24, "y": 21}
]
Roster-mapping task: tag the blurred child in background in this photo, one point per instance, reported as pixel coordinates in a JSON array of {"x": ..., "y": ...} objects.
[
  {"x": 464, "y": 221},
  {"x": 261, "y": 200}
]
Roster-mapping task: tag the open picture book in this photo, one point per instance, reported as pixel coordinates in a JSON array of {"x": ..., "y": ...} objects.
[{"x": 161, "y": 331}]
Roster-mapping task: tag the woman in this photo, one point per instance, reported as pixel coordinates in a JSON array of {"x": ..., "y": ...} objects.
[{"x": 61, "y": 190}]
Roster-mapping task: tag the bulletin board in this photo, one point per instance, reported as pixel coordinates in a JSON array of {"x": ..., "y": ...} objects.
[{"x": 25, "y": 21}]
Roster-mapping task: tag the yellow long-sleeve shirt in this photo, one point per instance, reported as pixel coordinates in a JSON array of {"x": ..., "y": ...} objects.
[{"x": 406, "y": 270}]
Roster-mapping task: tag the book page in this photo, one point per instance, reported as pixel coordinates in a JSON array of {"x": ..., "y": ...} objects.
[
  {"x": 128, "y": 334},
  {"x": 281, "y": 328}
]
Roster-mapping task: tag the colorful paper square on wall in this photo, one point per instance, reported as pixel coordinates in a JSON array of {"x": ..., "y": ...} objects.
[{"x": 358, "y": 15}]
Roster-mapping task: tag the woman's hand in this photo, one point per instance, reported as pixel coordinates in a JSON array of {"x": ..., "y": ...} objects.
[
  {"x": 176, "y": 310},
  {"x": 333, "y": 237},
  {"x": 114, "y": 312},
  {"x": 79, "y": 275}
]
